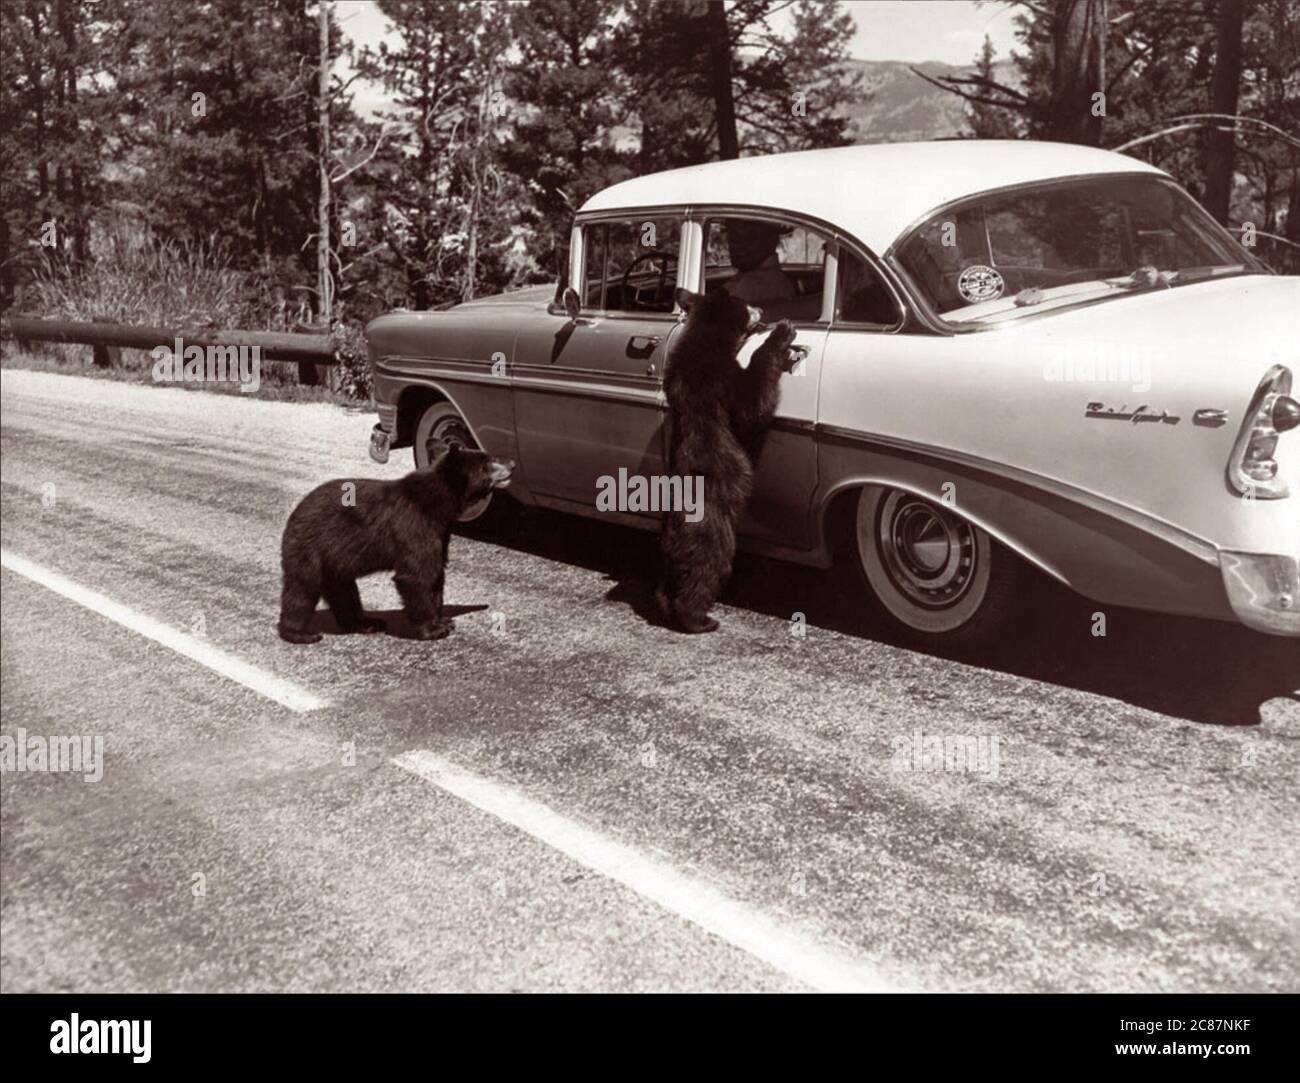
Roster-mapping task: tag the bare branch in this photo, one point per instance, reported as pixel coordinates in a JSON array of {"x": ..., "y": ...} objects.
[
  {"x": 1199, "y": 120},
  {"x": 986, "y": 84},
  {"x": 1270, "y": 236},
  {"x": 1237, "y": 119},
  {"x": 341, "y": 87},
  {"x": 364, "y": 161}
]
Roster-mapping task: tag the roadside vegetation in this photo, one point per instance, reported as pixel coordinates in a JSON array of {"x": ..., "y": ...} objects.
[{"x": 210, "y": 164}]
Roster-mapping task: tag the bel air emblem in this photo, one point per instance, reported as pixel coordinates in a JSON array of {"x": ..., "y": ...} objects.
[{"x": 1123, "y": 413}]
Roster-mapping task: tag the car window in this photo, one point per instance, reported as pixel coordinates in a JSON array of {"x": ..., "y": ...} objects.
[
  {"x": 593, "y": 245},
  {"x": 861, "y": 295},
  {"x": 777, "y": 268},
  {"x": 631, "y": 265}
]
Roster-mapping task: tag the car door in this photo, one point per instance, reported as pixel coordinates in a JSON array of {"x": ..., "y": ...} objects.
[
  {"x": 789, "y": 284},
  {"x": 589, "y": 390}
]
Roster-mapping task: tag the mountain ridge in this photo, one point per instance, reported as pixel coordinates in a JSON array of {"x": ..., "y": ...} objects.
[{"x": 904, "y": 107}]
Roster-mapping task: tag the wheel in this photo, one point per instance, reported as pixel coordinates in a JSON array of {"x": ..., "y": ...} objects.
[
  {"x": 942, "y": 580},
  {"x": 439, "y": 426}
]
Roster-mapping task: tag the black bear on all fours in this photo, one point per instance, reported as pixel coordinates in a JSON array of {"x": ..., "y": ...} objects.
[
  {"x": 351, "y": 527},
  {"x": 720, "y": 415}
]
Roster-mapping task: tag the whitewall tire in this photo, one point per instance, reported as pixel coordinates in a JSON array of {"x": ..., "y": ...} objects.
[{"x": 941, "y": 579}]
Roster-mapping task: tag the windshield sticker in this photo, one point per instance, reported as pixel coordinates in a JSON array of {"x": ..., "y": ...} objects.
[{"x": 980, "y": 283}]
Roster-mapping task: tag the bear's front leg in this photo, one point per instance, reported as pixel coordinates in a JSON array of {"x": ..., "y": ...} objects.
[
  {"x": 298, "y": 607},
  {"x": 440, "y": 625},
  {"x": 756, "y": 393},
  {"x": 422, "y": 601}
]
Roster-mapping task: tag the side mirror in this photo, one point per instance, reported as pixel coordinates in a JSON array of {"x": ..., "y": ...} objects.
[{"x": 571, "y": 302}]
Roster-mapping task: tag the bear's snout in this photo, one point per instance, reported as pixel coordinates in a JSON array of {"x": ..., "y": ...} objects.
[{"x": 499, "y": 471}]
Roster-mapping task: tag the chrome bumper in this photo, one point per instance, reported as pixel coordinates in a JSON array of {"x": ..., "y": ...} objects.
[
  {"x": 380, "y": 441},
  {"x": 1264, "y": 590}
]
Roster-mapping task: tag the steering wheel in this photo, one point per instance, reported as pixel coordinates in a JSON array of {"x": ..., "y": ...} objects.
[{"x": 632, "y": 295}]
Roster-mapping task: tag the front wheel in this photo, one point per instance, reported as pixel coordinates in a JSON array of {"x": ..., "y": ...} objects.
[
  {"x": 942, "y": 580},
  {"x": 440, "y": 426}
]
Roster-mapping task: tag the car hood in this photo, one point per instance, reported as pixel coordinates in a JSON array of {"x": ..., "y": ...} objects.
[
  {"x": 1250, "y": 320},
  {"x": 528, "y": 297}
]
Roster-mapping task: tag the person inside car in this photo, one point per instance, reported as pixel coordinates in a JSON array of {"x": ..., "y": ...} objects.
[{"x": 753, "y": 248}]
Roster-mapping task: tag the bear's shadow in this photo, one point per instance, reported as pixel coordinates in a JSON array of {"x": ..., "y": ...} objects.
[
  {"x": 1199, "y": 670},
  {"x": 395, "y": 621}
]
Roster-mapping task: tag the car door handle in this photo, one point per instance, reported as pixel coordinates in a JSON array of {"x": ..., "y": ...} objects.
[
  {"x": 642, "y": 345},
  {"x": 798, "y": 355}
]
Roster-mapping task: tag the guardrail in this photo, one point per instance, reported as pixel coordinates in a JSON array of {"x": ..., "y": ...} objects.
[{"x": 313, "y": 349}]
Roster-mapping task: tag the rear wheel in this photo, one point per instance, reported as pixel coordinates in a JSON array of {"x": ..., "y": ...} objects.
[
  {"x": 941, "y": 579},
  {"x": 440, "y": 426}
]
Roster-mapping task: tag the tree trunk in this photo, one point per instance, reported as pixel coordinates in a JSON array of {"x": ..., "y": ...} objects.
[
  {"x": 1221, "y": 146},
  {"x": 1072, "y": 112},
  {"x": 720, "y": 73},
  {"x": 475, "y": 194},
  {"x": 1293, "y": 208},
  {"x": 37, "y": 77},
  {"x": 78, "y": 248},
  {"x": 307, "y": 374},
  {"x": 325, "y": 280}
]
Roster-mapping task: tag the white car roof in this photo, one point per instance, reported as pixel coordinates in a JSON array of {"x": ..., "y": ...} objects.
[{"x": 873, "y": 192}]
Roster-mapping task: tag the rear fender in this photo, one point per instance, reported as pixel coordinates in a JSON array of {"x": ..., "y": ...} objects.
[{"x": 1100, "y": 549}]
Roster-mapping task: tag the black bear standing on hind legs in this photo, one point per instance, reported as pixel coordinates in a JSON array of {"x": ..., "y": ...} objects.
[
  {"x": 351, "y": 527},
  {"x": 720, "y": 414}
]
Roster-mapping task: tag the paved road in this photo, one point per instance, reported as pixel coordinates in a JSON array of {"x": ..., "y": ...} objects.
[{"x": 1139, "y": 833}]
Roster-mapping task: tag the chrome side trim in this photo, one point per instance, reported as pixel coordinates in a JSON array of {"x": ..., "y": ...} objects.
[
  {"x": 638, "y": 390},
  {"x": 564, "y": 375},
  {"x": 648, "y": 392},
  {"x": 1192, "y": 544},
  {"x": 421, "y": 368},
  {"x": 797, "y": 425},
  {"x": 650, "y": 399}
]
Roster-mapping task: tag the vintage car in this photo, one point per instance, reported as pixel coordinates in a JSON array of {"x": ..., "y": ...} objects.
[{"x": 1013, "y": 351}]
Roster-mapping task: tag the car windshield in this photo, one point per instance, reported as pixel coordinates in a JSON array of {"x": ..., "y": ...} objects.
[{"x": 1007, "y": 254}]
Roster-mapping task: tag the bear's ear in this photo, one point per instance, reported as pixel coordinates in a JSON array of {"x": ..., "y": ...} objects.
[
  {"x": 685, "y": 298},
  {"x": 450, "y": 453}
]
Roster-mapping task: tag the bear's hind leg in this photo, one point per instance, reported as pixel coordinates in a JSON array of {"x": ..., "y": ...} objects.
[
  {"x": 698, "y": 562},
  {"x": 696, "y": 589},
  {"x": 345, "y": 603},
  {"x": 298, "y": 600}
]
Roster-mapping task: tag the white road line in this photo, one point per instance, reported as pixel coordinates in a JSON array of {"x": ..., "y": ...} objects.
[
  {"x": 266, "y": 684},
  {"x": 748, "y": 929}
]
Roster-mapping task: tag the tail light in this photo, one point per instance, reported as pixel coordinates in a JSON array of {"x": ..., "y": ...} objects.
[{"x": 1252, "y": 469}]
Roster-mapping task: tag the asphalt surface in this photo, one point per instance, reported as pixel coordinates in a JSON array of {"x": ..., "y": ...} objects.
[{"x": 1139, "y": 833}]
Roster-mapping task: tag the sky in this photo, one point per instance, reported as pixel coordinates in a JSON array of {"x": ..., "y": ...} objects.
[
  {"x": 913, "y": 30},
  {"x": 948, "y": 30}
]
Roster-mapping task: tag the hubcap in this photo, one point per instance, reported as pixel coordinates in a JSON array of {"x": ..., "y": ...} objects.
[
  {"x": 927, "y": 553},
  {"x": 452, "y": 430}
]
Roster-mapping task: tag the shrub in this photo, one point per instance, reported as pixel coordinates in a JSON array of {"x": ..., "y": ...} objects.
[
  {"x": 352, "y": 373},
  {"x": 135, "y": 279}
]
